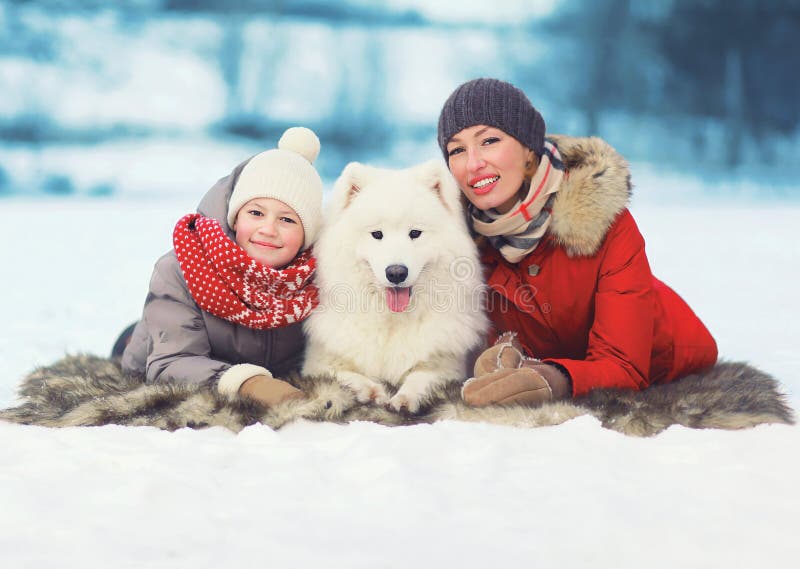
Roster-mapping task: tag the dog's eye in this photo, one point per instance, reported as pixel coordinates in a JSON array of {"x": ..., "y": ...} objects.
[
  {"x": 414, "y": 233},
  {"x": 377, "y": 234}
]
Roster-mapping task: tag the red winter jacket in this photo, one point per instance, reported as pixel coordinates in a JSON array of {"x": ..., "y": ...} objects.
[{"x": 585, "y": 298}]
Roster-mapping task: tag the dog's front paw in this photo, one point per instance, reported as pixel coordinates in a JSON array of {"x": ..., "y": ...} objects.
[
  {"x": 365, "y": 389},
  {"x": 371, "y": 392},
  {"x": 408, "y": 401}
]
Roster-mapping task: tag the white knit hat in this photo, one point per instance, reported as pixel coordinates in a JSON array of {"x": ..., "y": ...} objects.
[{"x": 286, "y": 174}]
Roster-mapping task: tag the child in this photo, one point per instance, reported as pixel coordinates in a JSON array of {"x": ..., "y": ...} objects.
[{"x": 225, "y": 305}]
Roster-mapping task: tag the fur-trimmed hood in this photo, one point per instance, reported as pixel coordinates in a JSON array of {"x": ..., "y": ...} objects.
[{"x": 595, "y": 190}]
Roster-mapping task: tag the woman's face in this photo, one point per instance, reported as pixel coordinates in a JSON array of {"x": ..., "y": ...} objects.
[
  {"x": 269, "y": 231},
  {"x": 489, "y": 166}
]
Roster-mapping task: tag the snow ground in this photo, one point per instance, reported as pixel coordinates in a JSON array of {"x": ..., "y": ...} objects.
[{"x": 468, "y": 495}]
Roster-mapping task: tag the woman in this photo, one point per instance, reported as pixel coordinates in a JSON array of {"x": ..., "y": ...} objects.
[{"x": 564, "y": 259}]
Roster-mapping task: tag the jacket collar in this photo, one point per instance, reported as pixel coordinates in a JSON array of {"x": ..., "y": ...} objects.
[
  {"x": 596, "y": 190},
  {"x": 215, "y": 203}
]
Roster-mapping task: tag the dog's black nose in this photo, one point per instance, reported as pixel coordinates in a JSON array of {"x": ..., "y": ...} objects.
[{"x": 396, "y": 273}]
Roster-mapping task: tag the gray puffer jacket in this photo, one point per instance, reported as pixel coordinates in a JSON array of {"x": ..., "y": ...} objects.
[{"x": 176, "y": 341}]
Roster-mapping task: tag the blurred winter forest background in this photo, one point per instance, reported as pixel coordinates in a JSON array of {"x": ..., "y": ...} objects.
[{"x": 159, "y": 97}]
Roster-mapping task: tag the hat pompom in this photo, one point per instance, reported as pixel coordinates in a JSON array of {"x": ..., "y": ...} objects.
[{"x": 301, "y": 140}]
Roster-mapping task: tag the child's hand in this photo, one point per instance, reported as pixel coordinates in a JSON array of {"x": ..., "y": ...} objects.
[{"x": 268, "y": 390}]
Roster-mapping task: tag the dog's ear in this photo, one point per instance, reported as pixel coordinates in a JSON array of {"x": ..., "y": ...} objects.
[
  {"x": 348, "y": 185},
  {"x": 437, "y": 177}
]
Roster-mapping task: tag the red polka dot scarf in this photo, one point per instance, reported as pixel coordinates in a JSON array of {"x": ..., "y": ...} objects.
[{"x": 227, "y": 282}]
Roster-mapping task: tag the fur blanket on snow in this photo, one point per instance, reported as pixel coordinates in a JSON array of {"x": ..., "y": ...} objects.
[{"x": 90, "y": 391}]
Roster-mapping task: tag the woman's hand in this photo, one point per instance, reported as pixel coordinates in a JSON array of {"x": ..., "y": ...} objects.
[
  {"x": 533, "y": 383},
  {"x": 506, "y": 353},
  {"x": 269, "y": 391}
]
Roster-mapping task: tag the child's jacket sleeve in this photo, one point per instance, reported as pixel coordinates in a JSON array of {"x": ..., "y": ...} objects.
[{"x": 172, "y": 338}]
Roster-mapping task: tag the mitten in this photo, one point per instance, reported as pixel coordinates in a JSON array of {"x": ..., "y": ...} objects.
[
  {"x": 556, "y": 377},
  {"x": 532, "y": 384},
  {"x": 506, "y": 353},
  {"x": 269, "y": 390}
]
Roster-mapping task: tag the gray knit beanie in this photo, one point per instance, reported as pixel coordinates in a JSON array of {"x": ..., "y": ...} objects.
[{"x": 494, "y": 103}]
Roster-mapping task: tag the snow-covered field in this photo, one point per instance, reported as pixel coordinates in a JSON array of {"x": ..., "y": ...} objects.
[{"x": 461, "y": 495}]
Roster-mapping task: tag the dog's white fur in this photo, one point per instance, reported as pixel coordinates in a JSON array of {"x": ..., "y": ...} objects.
[{"x": 353, "y": 335}]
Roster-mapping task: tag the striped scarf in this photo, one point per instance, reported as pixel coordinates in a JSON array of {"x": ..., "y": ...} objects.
[{"x": 517, "y": 233}]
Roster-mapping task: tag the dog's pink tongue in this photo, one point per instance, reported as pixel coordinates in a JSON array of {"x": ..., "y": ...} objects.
[{"x": 398, "y": 298}]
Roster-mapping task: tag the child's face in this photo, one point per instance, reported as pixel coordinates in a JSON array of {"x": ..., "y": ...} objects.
[{"x": 269, "y": 231}]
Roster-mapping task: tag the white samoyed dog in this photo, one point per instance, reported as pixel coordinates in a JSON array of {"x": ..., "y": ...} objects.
[{"x": 401, "y": 289}]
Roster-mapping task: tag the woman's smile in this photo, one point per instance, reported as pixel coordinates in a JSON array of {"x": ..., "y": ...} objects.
[{"x": 484, "y": 184}]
